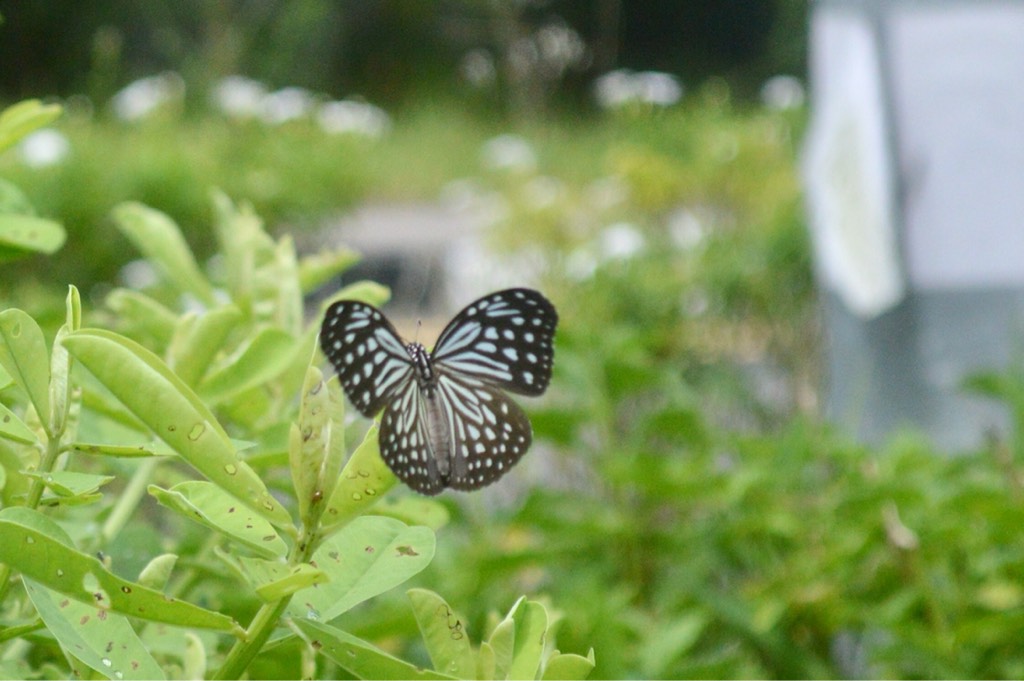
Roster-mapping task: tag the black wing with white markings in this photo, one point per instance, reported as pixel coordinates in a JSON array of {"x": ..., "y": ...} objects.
[
  {"x": 366, "y": 351},
  {"x": 503, "y": 339}
]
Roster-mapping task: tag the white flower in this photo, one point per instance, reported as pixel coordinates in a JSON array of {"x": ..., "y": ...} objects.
[
  {"x": 543, "y": 192},
  {"x": 783, "y": 92},
  {"x": 620, "y": 87},
  {"x": 621, "y": 241},
  {"x": 140, "y": 98},
  {"x": 477, "y": 67},
  {"x": 350, "y": 116},
  {"x": 685, "y": 229},
  {"x": 607, "y": 192},
  {"x": 138, "y": 274},
  {"x": 286, "y": 104},
  {"x": 660, "y": 89},
  {"x": 509, "y": 152},
  {"x": 44, "y": 147},
  {"x": 239, "y": 96}
]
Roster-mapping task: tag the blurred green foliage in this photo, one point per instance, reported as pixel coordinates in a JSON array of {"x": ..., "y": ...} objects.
[{"x": 682, "y": 506}]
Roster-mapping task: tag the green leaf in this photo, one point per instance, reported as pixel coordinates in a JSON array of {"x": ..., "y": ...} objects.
[
  {"x": 120, "y": 451},
  {"x": 414, "y": 510},
  {"x": 159, "y": 239},
  {"x": 244, "y": 243},
  {"x": 273, "y": 580},
  {"x": 443, "y": 632},
  {"x": 336, "y": 453},
  {"x": 193, "y": 657},
  {"x": 367, "y": 557},
  {"x": 144, "y": 316},
  {"x": 671, "y": 640},
  {"x": 60, "y": 366},
  {"x": 24, "y": 234},
  {"x": 13, "y": 428},
  {"x": 198, "y": 339},
  {"x": 102, "y": 640},
  {"x": 486, "y": 667},
  {"x": 569, "y": 666},
  {"x": 23, "y": 355},
  {"x": 308, "y": 441},
  {"x": 158, "y": 571},
  {"x": 38, "y": 548},
  {"x": 359, "y": 658},
  {"x": 502, "y": 642},
  {"x": 364, "y": 480},
  {"x": 317, "y": 269},
  {"x": 18, "y": 120},
  {"x": 13, "y": 200},
  {"x": 531, "y": 630},
  {"x": 369, "y": 292},
  {"x": 257, "y": 362},
  {"x": 209, "y": 505},
  {"x": 71, "y": 484},
  {"x": 168, "y": 407}
]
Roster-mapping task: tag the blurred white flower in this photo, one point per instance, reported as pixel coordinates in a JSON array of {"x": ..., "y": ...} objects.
[
  {"x": 239, "y": 96},
  {"x": 350, "y": 116},
  {"x": 44, "y": 147},
  {"x": 655, "y": 87},
  {"x": 607, "y": 192},
  {"x": 286, "y": 104},
  {"x": 580, "y": 265},
  {"x": 477, "y": 67},
  {"x": 508, "y": 152},
  {"x": 621, "y": 241},
  {"x": 543, "y": 192},
  {"x": 559, "y": 47},
  {"x": 460, "y": 195},
  {"x": 685, "y": 229},
  {"x": 622, "y": 86},
  {"x": 138, "y": 274},
  {"x": 140, "y": 98},
  {"x": 783, "y": 92}
]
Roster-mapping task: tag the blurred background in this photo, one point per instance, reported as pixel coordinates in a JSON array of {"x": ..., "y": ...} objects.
[{"x": 686, "y": 506}]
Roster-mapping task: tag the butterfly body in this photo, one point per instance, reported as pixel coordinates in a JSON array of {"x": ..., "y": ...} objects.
[{"x": 446, "y": 419}]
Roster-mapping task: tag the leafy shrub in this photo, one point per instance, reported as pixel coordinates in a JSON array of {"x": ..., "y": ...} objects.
[{"x": 112, "y": 536}]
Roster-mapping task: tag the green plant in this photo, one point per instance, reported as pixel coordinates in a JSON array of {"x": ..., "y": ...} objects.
[{"x": 113, "y": 538}]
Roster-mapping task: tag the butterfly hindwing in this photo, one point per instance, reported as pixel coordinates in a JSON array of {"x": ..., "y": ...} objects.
[
  {"x": 504, "y": 339},
  {"x": 405, "y": 442},
  {"x": 367, "y": 353},
  {"x": 488, "y": 432}
]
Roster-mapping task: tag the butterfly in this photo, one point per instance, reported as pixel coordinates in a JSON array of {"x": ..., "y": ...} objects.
[{"x": 447, "y": 421}]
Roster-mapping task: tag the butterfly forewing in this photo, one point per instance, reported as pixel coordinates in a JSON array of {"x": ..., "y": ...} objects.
[
  {"x": 503, "y": 339},
  {"x": 366, "y": 351}
]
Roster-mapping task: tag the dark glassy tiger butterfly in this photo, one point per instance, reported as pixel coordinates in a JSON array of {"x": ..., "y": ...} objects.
[{"x": 447, "y": 421}]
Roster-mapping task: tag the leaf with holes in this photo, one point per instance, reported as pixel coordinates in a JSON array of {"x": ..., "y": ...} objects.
[
  {"x": 365, "y": 558},
  {"x": 172, "y": 411},
  {"x": 159, "y": 239},
  {"x": 208, "y": 505},
  {"x": 38, "y": 548},
  {"x": 358, "y": 657},
  {"x": 444, "y": 633},
  {"x": 103, "y": 640},
  {"x": 23, "y": 355}
]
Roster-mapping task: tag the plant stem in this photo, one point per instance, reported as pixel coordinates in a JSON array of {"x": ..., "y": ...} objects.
[
  {"x": 35, "y": 493},
  {"x": 259, "y": 631},
  {"x": 262, "y": 625},
  {"x": 128, "y": 501}
]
